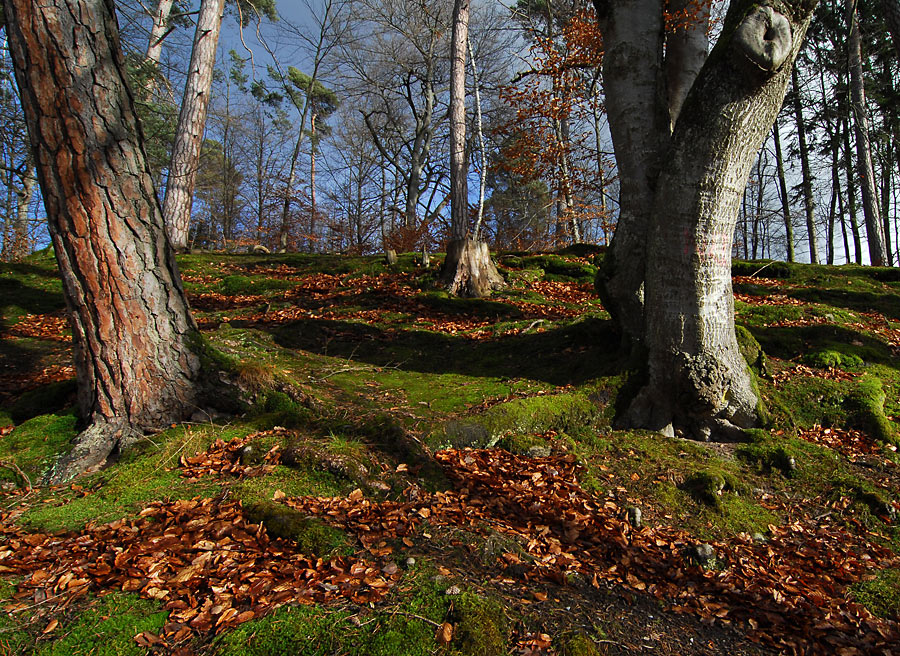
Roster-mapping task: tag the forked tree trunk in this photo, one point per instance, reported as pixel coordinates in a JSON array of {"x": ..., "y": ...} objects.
[
  {"x": 697, "y": 378},
  {"x": 191, "y": 123},
  {"x": 132, "y": 329},
  {"x": 158, "y": 32},
  {"x": 468, "y": 270}
]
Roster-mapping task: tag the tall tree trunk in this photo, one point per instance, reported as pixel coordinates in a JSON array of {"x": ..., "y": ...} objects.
[
  {"x": 697, "y": 378},
  {"x": 158, "y": 32},
  {"x": 312, "y": 182},
  {"x": 467, "y": 269},
  {"x": 686, "y": 50},
  {"x": 782, "y": 188},
  {"x": 479, "y": 131},
  {"x": 132, "y": 329},
  {"x": 874, "y": 229},
  {"x": 809, "y": 203},
  {"x": 21, "y": 245},
  {"x": 851, "y": 192},
  {"x": 191, "y": 123},
  {"x": 639, "y": 123}
]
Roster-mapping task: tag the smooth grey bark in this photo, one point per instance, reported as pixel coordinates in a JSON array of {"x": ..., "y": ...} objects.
[
  {"x": 639, "y": 124},
  {"x": 697, "y": 379},
  {"x": 809, "y": 201},
  {"x": 871, "y": 214},
  {"x": 686, "y": 51},
  {"x": 783, "y": 192},
  {"x": 132, "y": 328}
]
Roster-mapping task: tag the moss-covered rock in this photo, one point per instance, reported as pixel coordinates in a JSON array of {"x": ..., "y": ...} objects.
[
  {"x": 312, "y": 535},
  {"x": 751, "y": 350},
  {"x": 865, "y": 406},
  {"x": 481, "y": 626},
  {"x": 834, "y": 359}
]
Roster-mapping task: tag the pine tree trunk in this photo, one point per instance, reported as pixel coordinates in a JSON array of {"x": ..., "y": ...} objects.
[
  {"x": 874, "y": 229},
  {"x": 132, "y": 329},
  {"x": 459, "y": 173},
  {"x": 697, "y": 379},
  {"x": 191, "y": 124},
  {"x": 808, "y": 198}
]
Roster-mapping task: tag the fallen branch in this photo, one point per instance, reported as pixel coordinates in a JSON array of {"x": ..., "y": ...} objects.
[{"x": 18, "y": 472}]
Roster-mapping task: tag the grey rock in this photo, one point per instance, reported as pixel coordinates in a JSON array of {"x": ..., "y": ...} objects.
[
  {"x": 539, "y": 452},
  {"x": 704, "y": 554}
]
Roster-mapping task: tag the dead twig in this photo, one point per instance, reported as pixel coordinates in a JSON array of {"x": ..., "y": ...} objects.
[{"x": 18, "y": 472}]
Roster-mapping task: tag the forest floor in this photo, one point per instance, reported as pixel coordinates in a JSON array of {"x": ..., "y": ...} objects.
[{"x": 418, "y": 474}]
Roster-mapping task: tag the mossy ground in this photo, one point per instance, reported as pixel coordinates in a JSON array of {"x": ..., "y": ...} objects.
[{"x": 370, "y": 376}]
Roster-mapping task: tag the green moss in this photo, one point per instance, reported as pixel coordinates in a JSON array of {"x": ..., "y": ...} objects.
[
  {"x": 520, "y": 444},
  {"x": 34, "y": 445},
  {"x": 751, "y": 350},
  {"x": 312, "y": 535},
  {"x": 236, "y": 285},
  {"x": 523, "y": 277},
  {"x": 481, "y": 626},
  {"x": 147, "y": 472},
  {"x": 560, "y": 269},
  {"x": 865, "y": 406},
  {"x": 862, "y": 491},
  {"x": 881, "y": 595},
  {"x": 322, "y": 631},
  {"x": 562, "y": 412},
  {"x": 835, "y": 359},
  {"x": 106, "y": 628},
  {"x": 576, "y": 644},
  {"x": 710, "y": 484},
  {"x": 763, "y": 268}
]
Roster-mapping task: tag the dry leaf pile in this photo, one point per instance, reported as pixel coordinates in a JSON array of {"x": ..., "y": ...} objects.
[
  {"x": 789, "y": 591},
  {"x": 200, "y": 558}
]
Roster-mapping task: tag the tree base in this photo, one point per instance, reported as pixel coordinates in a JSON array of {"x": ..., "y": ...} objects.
[
  {"x": 93, "y": 447},
  {"x": 468, "y": 270}
]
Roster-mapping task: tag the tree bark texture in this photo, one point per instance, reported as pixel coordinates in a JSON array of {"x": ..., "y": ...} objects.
[
  {"x": 132, "y": 329},
  {"x": 191, "y": 124},
  {"x": 697, "y": 378},
  {"x": 158, "y": 30},
  {"x": 459, "y": 170},
  {"x": 468, "y": 270},
  {"x": 639, "y": 125},
  {"x": 686, "y": 50},
  {"x": 871, "y": 214}
]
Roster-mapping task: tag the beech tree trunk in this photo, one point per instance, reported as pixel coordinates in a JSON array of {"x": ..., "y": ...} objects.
[
  {"x": 132, "y": 329},
  {"x": 639, "y": 123},
  {"x": 697, "y": 378},
  {"x": 468, "y": 270},
  {"x": 874, "y": 228},
  {"x": 191, "y": 124}
]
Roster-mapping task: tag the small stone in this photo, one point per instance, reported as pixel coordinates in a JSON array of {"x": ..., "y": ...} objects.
[
  {"x": 410, "y": 562},
  {"x": 538, "y": 451},
  {"x": 453, "y": 590},
  {"x": 328, "y": 587},
  {"x": 759, "y": 537},
  {"x": 390, "y": 569},
  {"x": 634, "y": 516},
  {"x": 668, "y": 431},
  {"x": 792, "y": 464}
]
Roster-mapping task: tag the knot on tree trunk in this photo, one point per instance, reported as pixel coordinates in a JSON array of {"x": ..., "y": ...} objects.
[
  {"x": 765, "y": 38},
  {"x": 704, "y": 384}
]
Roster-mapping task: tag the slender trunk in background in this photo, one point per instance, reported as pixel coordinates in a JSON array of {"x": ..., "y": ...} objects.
[
  {"x": 783, "y": 192},
  {"x": 131, "y": 326},
  {"x": 851, "y": 191},
  {"x": 809, "y": 202},
  {"x": 832, "y": 210},
  {"x": 312, "y": 183},
  {"x": 467, "y": 269},
  {"x": 191, "y": 124},
  {"x": 157, "y": 33},
  {"x": 21, "y": 244},
  {"x": 479, "y": 131},
  {"x": 847, "y": 258},
  {"x": 874, "y": 228}
]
